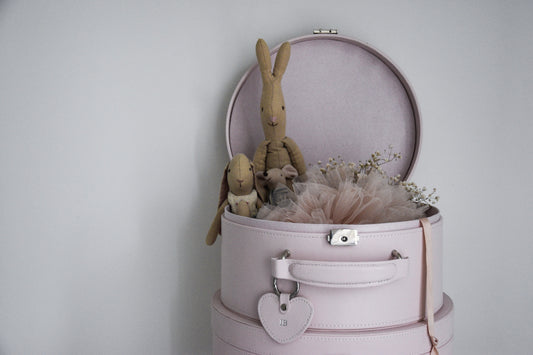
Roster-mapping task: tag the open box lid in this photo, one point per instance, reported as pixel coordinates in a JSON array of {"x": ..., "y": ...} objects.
[{"x": 342, "y": 97}]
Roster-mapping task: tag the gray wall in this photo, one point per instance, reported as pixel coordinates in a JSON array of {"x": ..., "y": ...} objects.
[{"x": 112, "y": 145}]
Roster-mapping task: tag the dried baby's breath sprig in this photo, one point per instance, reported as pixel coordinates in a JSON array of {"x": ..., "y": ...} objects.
[
  {"x": 377, "y": 159},
  {"x": 419, "y": 195},
  {"x": 375, "y": 163}
]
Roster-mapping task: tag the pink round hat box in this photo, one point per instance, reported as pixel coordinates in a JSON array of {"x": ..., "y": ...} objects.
[{"x": 343, "y": 98}]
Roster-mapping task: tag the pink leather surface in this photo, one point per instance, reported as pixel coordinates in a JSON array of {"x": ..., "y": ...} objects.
[
  {"x": 284, "y": 325},
  {"x": 234, "y": 334},
  {"x": 342, "y": 97},
  {"x": 246, "y": 273}
]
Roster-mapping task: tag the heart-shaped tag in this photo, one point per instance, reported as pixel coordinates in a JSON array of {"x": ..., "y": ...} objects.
[{"x": 284, "y": 319}]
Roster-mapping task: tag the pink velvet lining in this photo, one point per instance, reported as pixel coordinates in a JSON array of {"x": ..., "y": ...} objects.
[{"x": 342, "y": 98}]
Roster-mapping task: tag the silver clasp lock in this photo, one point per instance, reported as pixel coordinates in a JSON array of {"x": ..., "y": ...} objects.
[{"x": 341, "y": 237}]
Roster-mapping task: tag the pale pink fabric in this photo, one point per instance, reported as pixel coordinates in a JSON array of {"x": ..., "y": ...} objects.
[
  {"x": 342, "y": 97},
  {"x": 336, "y": 198}
]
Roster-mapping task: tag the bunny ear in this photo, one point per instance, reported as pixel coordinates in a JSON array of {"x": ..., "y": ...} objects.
[
  {"x": 282, "y": 59},
  {"x": 224, "y": 187},
  {"x": 290, "y": 171},
  {"x": 263, "y": 58},
  {"x": 259, "y": 180},
  {"x": 260, "y": 176}
]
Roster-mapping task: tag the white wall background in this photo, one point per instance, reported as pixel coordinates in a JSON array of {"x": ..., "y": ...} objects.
[{"x": 112, "y": 145}]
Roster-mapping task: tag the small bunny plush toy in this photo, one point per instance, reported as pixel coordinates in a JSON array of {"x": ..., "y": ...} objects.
[
  {"x": 237, "y": 190},
  {"x": 277, "y": 150},
  {"x": 275, "y": 180}
]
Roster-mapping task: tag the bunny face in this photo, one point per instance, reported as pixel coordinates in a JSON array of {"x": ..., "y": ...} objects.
[
  {"x": 273, "y": 117},
  {"x": 240, "y": 175}
]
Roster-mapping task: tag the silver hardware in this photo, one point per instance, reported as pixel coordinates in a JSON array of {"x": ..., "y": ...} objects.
[
  {"x": 396, "y": 255},
  {"x": 343, "y": 237},
  {"x": 320, "y": 31},
  {"x": 294, "y": 293},
  {"x": 278, "y": 293},
  {"x": 286, "y": 253}
]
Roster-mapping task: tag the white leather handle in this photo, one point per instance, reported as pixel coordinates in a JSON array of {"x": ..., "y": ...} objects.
[{"x": 340, "y": 274}]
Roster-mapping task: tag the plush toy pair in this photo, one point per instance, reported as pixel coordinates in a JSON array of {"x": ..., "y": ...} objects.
[
  {"x": 277, "y": 159},
  {"x": 238, "y": 190}
]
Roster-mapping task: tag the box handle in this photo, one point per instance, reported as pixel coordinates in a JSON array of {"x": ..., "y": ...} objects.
[{"x": 341, "y": 274}]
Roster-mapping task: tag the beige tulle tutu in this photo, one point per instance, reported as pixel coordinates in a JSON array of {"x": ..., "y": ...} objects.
[{"x": 335, "y": 197}]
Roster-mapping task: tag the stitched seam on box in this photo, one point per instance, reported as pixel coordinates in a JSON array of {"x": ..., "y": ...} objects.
[
  {"x": 353, "y": 326},
  {"x": 364, "y": 326},
  {"x": 435, "y": 225},
  {"x": 326, "y": 326},
  {"x": 253, "y": 351},
  {"x": 334, "y": 338},
  {"x": 263, "y": 233}
]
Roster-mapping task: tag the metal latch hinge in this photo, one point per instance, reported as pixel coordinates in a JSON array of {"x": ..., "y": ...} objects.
[
  {"x": 342, "y": 237},
  {"x": 320, "y": 31}
]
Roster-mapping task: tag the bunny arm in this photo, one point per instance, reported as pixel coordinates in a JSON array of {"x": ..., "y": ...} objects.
[
  {"x": 260, "y": 156},
  {"x": 243, "y": 209},
  {"x": 262, "y": 194},
  {"x": 297, "y": 159},
  {"x": 215, "y": 228}
]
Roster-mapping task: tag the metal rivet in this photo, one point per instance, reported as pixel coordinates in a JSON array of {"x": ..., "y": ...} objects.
[
  {"x": 283, "y": 307},
  {"x": 344, "y": 239}
]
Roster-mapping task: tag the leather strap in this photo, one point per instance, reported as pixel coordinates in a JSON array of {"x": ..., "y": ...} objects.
[
  {"x": 426, "y": 229},
  {"x": 340, "y": 274}
]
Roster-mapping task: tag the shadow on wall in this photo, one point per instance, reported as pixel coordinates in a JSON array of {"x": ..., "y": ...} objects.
[
  {"x": 198, "y": 276},
  {"x": 3, "y": 4}
]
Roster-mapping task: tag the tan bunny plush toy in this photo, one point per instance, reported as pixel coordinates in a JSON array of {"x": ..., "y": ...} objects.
[
  {"x": 277, "y": 150},
  {"x": 237, "y": 190}
]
